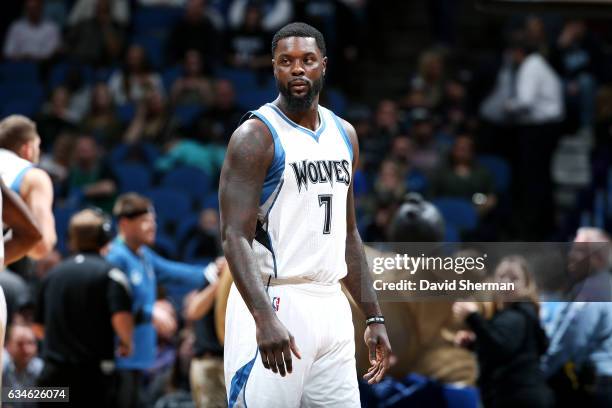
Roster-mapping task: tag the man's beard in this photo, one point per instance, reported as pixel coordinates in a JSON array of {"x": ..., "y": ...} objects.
[{"x": 297, "y": 104}]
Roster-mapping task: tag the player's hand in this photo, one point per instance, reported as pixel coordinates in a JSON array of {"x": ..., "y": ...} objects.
[
  {"x": 376, "y": 339},
  {"x": 125, "y": 349},
  {"x": 275, "y": 345}
]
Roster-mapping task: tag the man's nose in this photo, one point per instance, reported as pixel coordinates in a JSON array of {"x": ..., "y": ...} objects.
[{"x": 297, "y": 69}]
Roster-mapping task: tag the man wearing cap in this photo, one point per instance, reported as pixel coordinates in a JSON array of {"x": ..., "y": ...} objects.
[
  {"x": 83, "y": 313},
  {"x": 131, "y": 252}
]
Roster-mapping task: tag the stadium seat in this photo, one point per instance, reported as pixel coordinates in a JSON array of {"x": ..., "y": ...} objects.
[
  {"x": 60, "y": 72},
  {"x": 211, "y": 200},
  {"x": 458, "y": 212},
  {"x": 133, "y": 177},
  {"x": 126, "y": 113},
  {"x": 336, "y": 101},
  {"x": 154, "y": 48},
  {"x": 185, "y": 226},
  {"x": 165, "y": 246},
  {"x": 155, "y": 19},
  {"x": 171, "y": 204},
  {"x": 451, "y": 234},
  {"x": 186, "y": 115},
  {"x": 17, "y": 71},
  {"x": 170, "y": 75},
  {"x": 136, "y": 153},
  {"x": 62, "y": 218},
  {"x": 499, "y": 169},
  {"x": 243, "y": 79},
  {"x": 249, "y": 99},
  {"x": 190, "y": 180},
  {"x": 22, "y": 98}
]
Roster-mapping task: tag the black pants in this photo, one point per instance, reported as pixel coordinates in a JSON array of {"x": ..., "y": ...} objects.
[
  {"x": 129, "y": 389},
  {"x": 88, "y": 385},
  {"x": 535, "y": 185}
]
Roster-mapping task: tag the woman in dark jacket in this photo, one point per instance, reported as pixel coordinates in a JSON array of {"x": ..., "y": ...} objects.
[{"x": 509, "y": 344}]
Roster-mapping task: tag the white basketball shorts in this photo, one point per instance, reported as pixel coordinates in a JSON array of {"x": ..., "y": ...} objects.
[{"x": 319, "y": 317}]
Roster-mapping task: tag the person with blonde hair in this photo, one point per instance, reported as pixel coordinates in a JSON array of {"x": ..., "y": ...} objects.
[{"x": 509, "y": 344}]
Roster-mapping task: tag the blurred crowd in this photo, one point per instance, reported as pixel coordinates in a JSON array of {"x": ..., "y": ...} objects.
[{"x": 143, "y": 95}]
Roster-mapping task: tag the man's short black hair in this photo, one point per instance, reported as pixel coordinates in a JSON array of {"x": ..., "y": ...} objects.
[{"x": 299, "y": 30}]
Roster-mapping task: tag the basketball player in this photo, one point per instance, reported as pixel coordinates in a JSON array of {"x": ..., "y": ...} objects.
[
  {"x": 23, "y": 236},
  {"x": 19, "y": 153},
  {"x": 290, "y": 237}
]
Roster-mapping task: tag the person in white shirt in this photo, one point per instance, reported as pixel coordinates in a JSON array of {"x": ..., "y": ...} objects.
[
  {"x": 538, "y": 94},
  {"x": 32, "y": 37},
  {"x": 536, "y": 108}
]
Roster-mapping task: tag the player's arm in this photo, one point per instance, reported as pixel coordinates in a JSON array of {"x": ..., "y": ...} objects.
[
  {"x": 249, "y": 155},
  {"x": 25, "y": 232},
  {"x": 358, "y": 281},
  {"x": 37, "y": 192}
]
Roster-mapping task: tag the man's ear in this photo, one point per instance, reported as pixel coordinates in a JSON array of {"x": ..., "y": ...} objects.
[
  {"x": 25, "y": 151},
  {"x": 324, "y": 65}
]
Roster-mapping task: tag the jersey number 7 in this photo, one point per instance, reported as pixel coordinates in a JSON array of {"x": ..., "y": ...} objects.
[{"x": 326, "y": 200}]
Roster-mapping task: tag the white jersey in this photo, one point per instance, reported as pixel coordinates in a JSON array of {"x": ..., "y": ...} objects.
[
  {"x": 301, "y": 228},
  {"x": 12, "y": 169}
]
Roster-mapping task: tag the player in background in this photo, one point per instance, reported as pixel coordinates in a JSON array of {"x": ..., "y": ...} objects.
[{"x": 19, "y": 154}]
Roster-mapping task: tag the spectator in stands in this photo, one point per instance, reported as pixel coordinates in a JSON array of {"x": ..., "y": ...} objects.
[
  {"x": 536, "y": 106},
  {"x": 21, "y": 365},
  {"x": 57, "y": 162},
  {"x": 90, "y": 176},
  {"x": 152, "y": 122},
  {"x": 206, "y": 371},
  {"x": 431, "y": 77},
  {"x": 427, "y": 152},
  {"x": 185, "y": 152},
  {"x": 96, "y": 40},
  {"x": 579, "y": 359},
  {"x": 248, "y": 46},
  {"x": 83, "y": 10},
  {"x": 196, "y": 31},
  {"x": 275, "y": 13},
  {"x": 455, "y": 103},
  {"x": 131, "y": 83},
  {"x": 56, "y": 117},
  {"x": 131, "y": 252},
  {"x": 463, "y": 177},
  {"x": 32, "y": 37},
  {"x": 376, "y": 142},
  {"x": 402, "y": 151},
  {"x": 390, "y": 181},
  {"x": 193, "y": 88},
  {"x": 222, "y": 117},
  {"x": 203, "y": 240},
  {"x": 376, "y": 230},
  {"x": 509, "y": 344},
  {"x": 578, "y": 58},
  {"x": 101, "y": 121}
]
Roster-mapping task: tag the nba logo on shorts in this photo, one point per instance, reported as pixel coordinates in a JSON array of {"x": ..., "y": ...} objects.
[{"x": 275, "y": 303}]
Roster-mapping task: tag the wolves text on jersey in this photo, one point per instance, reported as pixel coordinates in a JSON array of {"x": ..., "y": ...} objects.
[{"x": 321, "y": 171}]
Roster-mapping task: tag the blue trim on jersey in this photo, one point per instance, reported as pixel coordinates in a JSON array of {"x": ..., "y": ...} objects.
[
  {"x": 346, "y": 138},
  {"x": 239, "y": 381},
  {"x": 16, "y": 184},
  {"x": 275, "y": 172},
  {"x": 314, "y": 135},
  {"x": 272, "y": 252}
]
